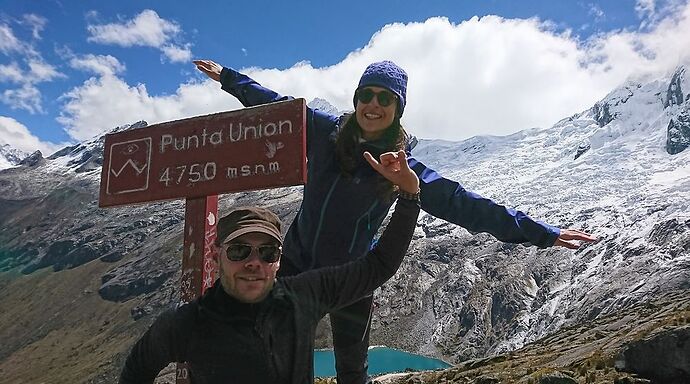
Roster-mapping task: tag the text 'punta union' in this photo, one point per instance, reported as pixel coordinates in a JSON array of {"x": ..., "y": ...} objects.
[{"x": 230, "y": 133}]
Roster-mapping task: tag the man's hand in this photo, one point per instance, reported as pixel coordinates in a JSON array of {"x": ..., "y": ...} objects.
[
  {"x": 569, "y": 238},
  {"x": 210, "y": 68},
  {"x": 393, "y": 166}
]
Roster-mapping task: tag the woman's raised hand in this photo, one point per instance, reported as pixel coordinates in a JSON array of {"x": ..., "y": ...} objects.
[
  {"x": 393, "y": 166},
  {"x": 210, "y": 68}
]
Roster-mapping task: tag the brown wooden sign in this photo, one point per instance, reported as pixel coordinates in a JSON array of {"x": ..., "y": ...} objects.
[{"x": 248, "y": 149}]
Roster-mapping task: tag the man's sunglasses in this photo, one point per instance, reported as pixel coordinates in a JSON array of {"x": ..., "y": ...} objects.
[
  {"x": 239, "y": 252},
  {"x": 365, "y": 95}
]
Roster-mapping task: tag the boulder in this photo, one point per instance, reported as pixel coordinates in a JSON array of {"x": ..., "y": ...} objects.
[{"x": 663, "y": 357}]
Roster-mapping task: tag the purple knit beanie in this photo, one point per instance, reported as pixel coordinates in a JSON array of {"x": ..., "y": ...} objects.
[{"x": 385, "y": 74}]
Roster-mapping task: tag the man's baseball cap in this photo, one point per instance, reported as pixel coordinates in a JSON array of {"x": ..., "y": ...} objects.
[{"x": 245, "y": 220}]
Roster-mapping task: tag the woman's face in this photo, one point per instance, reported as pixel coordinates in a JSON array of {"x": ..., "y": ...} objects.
[{"x": 373, "y": 117}]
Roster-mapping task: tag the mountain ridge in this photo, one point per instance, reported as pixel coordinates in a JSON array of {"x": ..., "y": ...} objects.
[{"x": 458, "y": 295}]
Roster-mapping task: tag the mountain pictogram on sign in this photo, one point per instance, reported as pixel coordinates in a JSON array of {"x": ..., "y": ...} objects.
[{"x": 130, "y": 164}]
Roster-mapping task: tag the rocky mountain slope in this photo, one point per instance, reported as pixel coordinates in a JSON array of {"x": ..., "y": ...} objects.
[{"x": 80, "y": 283}]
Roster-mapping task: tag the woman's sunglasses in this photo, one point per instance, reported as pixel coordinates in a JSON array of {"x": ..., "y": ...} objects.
[
  {"x": 239, "y": 252},
  {"x": 384, "y": 98}
]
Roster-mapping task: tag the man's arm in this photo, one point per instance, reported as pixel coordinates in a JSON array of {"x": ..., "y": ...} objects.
[
  {"x": 339, "y": 286},
  {"x": 162, "y": 344},
  {"x": 448, "y": 200},
  {"x": 335, "y": 287}
]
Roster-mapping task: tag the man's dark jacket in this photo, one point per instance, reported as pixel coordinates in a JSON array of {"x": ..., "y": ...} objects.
[{"x": 226, "y": 341}]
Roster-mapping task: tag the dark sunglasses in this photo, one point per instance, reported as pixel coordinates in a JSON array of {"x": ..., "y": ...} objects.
[
  {"x": 384, "y": 98},
  {"x": 239, "y": 252}
]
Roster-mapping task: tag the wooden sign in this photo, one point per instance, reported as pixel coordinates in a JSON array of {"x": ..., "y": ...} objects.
[{"x": 248, "y": 149}]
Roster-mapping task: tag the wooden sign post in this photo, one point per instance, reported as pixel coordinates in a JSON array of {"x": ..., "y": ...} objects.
[{"x": 197, "y": 159}]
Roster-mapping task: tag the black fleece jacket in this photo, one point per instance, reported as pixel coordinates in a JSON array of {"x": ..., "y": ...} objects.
[{"x": 226, "y": 341}]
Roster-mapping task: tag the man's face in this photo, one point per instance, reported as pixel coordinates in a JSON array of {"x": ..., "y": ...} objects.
[{"x": 249, "y": 280}]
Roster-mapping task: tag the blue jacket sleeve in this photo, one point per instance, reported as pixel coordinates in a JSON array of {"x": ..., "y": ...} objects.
[
  {"x": 320, "y": 125},
  {"x": 448, "y": 200}
]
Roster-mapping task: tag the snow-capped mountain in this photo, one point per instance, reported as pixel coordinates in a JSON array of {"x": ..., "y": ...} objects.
[
  {"x": 87, "y": 155},
  {"x": 10, "y": 157},
  {"x": 324, "y": 106},
  {"x": 611, "y": 170},
  {"x": 620, "y": 170}
]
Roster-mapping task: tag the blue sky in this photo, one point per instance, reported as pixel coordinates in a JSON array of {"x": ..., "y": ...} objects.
[{"x": 70, "y": 70}]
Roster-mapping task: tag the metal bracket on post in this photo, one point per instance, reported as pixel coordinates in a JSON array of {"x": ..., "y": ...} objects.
[{"x": 199, "y": 267}]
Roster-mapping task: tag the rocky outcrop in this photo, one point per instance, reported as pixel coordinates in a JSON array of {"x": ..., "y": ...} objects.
[
  {"x": 601, "y": 113},
  {"x": 674, "y": 93},
  {"x": 123, "y": 286},
  {"x": 33, "y": 159},
  {"x": 678, "y": 133},
  {"x": 653, "y": 337},
  {"x": 63, "y": 152},
  {"x": 661, "y": 358},
  {"x": 582, "y": 148},
  {"x": 89, "y": 162}
]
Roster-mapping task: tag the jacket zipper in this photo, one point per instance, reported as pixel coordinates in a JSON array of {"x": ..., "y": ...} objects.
[
  {"x": 318, "y": 228},
  {"x": 267, "y": 342},
  {"x": 366, "y": 214}
]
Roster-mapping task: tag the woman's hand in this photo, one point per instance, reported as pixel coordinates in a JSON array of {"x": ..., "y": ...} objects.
[
  {"x": 572, "y": 238},
  {"x": 210, "y": 68},
  {"x": 393, "y": 166}
]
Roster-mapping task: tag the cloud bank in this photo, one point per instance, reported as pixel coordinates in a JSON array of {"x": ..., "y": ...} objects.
[
  {"x": 23, "y": 79},
  {"x": 486, "y": 75},
  {"x": 146, "y": 29},
  {"x": 18, "y": 136}
]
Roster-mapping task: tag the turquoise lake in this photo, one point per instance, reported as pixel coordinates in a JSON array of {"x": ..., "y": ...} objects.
[{"x": 381, "y": 360}]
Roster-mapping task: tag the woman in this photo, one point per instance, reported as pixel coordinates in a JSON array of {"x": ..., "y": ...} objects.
[{"x": 345, "y": 201}]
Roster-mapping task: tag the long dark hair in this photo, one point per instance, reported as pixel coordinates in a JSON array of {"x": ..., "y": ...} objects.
[{"x": 393, "y": 139}]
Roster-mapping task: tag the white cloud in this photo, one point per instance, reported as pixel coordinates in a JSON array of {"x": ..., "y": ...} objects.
[
  {"x": 652, "y": 12},
  {"x": 661, "y": 49},
  {"x": 596, "y": 11},
  {"x": 177, "y": 54},
  {"x": 36, "y": 23},
  {"x": 146, "y": 29},
  {"x": 41, "y": 71},
  {"x": 18, "y": 136},
  {"x": 8, "y": 42},
  {"x": 103, "y": 103},
  {"x": 27, "y": 97},
  {"x": 98, "y": 64},
  {"x": 11, "y": 73},
  {"x": 645, "y": 8},
  {"x": 482, "y": 76}
]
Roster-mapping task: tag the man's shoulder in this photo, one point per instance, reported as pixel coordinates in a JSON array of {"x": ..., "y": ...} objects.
[
  {"x": 181, "y": 313},
  {"x": 288, "y": 287}
]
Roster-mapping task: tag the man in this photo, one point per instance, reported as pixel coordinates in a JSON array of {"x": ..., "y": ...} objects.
[{"x": 253, "y": 328}]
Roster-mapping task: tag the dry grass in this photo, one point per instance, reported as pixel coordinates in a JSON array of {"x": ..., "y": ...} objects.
[{"x": 56, "y": 328}]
